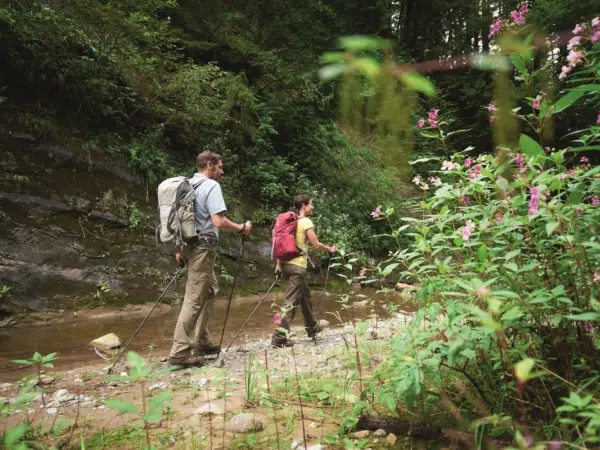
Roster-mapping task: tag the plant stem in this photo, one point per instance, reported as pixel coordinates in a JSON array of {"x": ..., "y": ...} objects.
[
  {"x": 271, "y": 399},
  {"x": 144, "y": 410},
  {"x": 299, "y": 398}
]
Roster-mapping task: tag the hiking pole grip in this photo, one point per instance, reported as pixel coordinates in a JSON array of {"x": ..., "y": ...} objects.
[
  {"x": 144, "y": 321},
  {"x": 237, "y": 271}
]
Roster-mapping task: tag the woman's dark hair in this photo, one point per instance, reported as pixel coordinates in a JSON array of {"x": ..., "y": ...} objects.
[{"x": 299, "y": 201}]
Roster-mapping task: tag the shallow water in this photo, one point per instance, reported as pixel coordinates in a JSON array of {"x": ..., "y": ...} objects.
[{"x": 70, "y": 340}]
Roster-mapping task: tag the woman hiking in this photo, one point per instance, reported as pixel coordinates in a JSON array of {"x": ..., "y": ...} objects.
[{"x": 297, "y": 293}]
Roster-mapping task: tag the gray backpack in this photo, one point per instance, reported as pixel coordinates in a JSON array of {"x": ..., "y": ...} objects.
[{"x": 177, "y": 214}]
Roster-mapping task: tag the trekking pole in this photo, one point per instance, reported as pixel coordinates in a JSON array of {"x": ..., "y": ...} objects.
[
  {"x": 252, "y": 313},
  {"x": 237, "y": 271},
  {"x": 325, "y": 288},
  {"x": 144, "y": 321}
]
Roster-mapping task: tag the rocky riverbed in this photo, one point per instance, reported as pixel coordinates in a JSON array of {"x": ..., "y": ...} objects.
[{"x": 246, "y": 398}]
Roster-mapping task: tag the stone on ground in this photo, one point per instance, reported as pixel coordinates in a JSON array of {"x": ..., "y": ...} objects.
[
  {"x": 361, "y": 434},
  {"x": 380, "y": 433},
  {"x": 391, "y": 439},
  {"x": 244, "y": 423},
  {"x": 107, "y": 342},
  {"x": 209, "y": 408}
]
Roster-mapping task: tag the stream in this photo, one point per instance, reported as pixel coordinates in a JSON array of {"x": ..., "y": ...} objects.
[{"x": 70, "y": 339}]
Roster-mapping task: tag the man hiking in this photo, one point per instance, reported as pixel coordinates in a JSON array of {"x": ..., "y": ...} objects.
[
  {"x": 192, "y": 340},
  {"x": 297, "y": 293}
]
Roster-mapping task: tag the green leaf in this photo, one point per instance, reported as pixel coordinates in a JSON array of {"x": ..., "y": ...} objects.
[
  {"x": 23, "y": 361},
  {"x": 332, "y": 71},
  {"x": 512, "y": 314},
  {"x": 367, "y": 65},
  {"x": 153, "y": 417},
  {"x": 518, "y": 63},
  {"x": 568, "y": 99},
  {"x": 361, "y": 43},
  {"x": 61, "y": 425},
  {"x": 575, "y": 198},
  {"x": 418, "y": 83},
  {"x": 510, "y": 255},
  {"x": 482, "y": 253},
  {"x": 14, "y": 435},
  {"x": 589, "y": 88},
  {"x": 523, "y": 369},
  {"x": 332, "y": 57},
  {"x": 584, "y": 316},
  {"x": 550, "y": 227},
  {"x": 160, "y": 399},
  {"x": 48, "y": 365},
  {"x": 502, "y": 183},
  {"x": 511, "y": 266},
  {"x": 49, "y": 357},
  {"x": 530, "y": 147},
  {"x": 122, "y": 406},
  {"x": 135, "y": 360},
  {"x": 388, "y": 270}
]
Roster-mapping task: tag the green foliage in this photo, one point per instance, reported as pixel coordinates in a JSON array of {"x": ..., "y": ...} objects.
[{"x": 505, "y": 257}]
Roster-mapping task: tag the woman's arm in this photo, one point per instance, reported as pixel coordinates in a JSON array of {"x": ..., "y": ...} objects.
[{"x": 314, "y": 241}]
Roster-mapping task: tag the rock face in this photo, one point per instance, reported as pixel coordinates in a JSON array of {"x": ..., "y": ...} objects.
[{"x": 77, "y": 228}]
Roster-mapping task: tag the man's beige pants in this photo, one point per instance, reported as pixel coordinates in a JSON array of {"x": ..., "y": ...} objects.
[
  {"x": 200, "y": 292},
  {"x": 297, "y": 295}
]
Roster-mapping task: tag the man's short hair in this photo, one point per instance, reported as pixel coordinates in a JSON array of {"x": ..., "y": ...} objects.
[{"x": 206, "y": 157}]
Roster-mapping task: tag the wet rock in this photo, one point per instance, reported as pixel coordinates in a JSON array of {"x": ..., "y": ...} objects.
[
  {"x": 47, "y": 379},
  {"x": 324, "y": 323},
  {"x": 163, "y": 359},
  {"x": 244, "y": 423},
  {"x": 63, "y": 396},
  {"x": 391, "y": 438},
  {"x": 21, "y": 135},
  {"x": 317, "y": 447},
  {"x": 158, "y": 386},
  {"x": 210, "y": 408},
  {"x": 297, "y": 445},
  {"x": 361, "y": 434},
  {"x": 52, "y": 411},
  {"x": 107, "y": 342},
  {"x": 109, "y": 219},
  {"x": 5, "y": 386},
  {"x": 380, "y": 433}
]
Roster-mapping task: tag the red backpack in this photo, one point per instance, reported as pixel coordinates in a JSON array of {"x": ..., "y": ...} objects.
[{"x": 284, "y": 237}]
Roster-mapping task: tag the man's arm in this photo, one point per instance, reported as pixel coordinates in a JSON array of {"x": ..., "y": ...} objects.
[
  {"x": 314, "y": 241},
  {"x": 223, "y": 223}
]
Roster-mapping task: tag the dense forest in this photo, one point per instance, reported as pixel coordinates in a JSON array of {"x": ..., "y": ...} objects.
[{"x": 452, "y": 151}]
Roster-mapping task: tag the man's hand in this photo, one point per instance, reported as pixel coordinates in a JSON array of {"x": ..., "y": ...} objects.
[
  {"x": 179, "y": 259},
  {"x": 246, "y": 228}
]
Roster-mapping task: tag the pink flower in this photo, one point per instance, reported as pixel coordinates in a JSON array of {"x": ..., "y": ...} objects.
[
  {"x": 578, "y": 212},
  {"x": 596, "y": 22},
  {"x": 574, "y": 58},
  {"x": 435, "y": 181},
  {"x": 584, "y": 160},
  {"x": 595, "y": 200},
  {"x": 519, "y": 159},
  {"x": 475, "y": 172},
  {"x": 468, "y": 162},
  {"x": 564, "y": 72},
  {"x": 596, "y": 277},
  {"x": 517, "y": 17},
  {"x": 425, "y": 187},
  {"x": 467, "y": 230},
  {"x": 496, "y": 27},
  {"x": 417, "y": 180},
  {"x": 574, "y": 42},
  {"x": 491, "y": 107},
  {"x": 524, "y": 8},
  {"x": 277, "y": 319},
  {"x": 448, "y": 165},
  {"x": 433, "y": 123},
  {"x": 464, "y": 200},
  {"x": 570, "y": 172},
  {"x": 433, "y": 114},
  {"x": 421, "y": 123},
  {"x": 499, "y": 217},
  {"x": 377, "y": 212},
  {"x": 362, "y": 272},
  {"x": 536, "y": 103},
  {"x": 483, "y": 292},
  {"x": 527, "y": 239},
  {"x": 534, "y": 200},
  {"x": 596, "y": 36},
  {"x": 598, "y": 119},
  {"x": 578, "y": 29}
]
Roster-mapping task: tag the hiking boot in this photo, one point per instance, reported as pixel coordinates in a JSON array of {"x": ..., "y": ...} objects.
[
  {"x": 314, "y": 331},
  {"x": 283, "y": 344},
  {"x": 207, "y": 349},
  {"x": 190, "y": 361}
]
